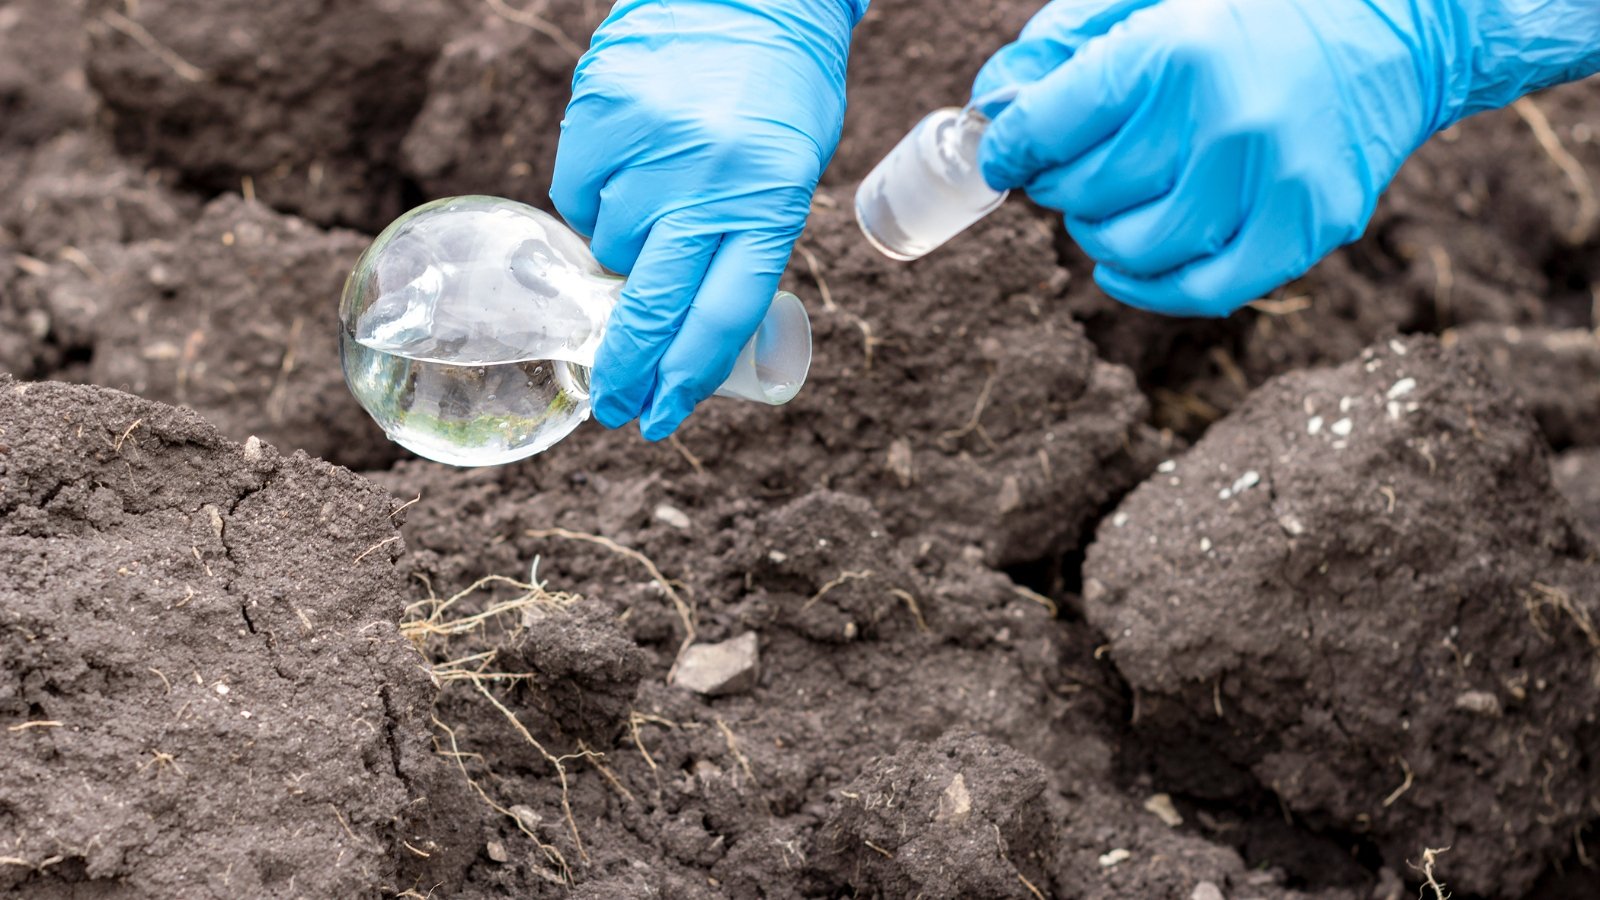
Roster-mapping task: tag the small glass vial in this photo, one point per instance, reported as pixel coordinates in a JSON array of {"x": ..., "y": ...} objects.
[{"x": 928, "y": 189}]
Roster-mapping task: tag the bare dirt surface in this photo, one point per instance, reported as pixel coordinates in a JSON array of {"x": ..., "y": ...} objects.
[{"x": 971, "y": 617}]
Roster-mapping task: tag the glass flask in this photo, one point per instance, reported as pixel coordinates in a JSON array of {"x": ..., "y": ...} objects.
[
  {"x": 929, "y": 189},
  {"x": 468, "y": 328}
]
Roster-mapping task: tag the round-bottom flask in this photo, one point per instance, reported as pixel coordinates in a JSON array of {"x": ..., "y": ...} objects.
[{"x": 468, "y": 328}]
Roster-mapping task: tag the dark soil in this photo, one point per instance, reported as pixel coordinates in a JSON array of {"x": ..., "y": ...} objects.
[
  {"x": 1381, "y": 643},
  {"x": 204, "y": 692}
]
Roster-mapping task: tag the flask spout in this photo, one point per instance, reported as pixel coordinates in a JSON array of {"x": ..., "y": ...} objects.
[{"x": 774, "y": 365}]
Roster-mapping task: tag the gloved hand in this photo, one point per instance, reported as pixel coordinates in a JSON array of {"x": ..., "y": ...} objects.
[
  {"x": 1206, "y": 151},
  {"x": 695, "y": 137}
]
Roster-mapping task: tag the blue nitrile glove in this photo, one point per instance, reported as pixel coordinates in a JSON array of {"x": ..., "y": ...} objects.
[
  {"x": 694, "y": 140},
  {"x": 1206, "y": 151}
]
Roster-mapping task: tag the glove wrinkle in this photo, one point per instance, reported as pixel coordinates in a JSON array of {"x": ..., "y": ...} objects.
[
  {"x": 1281, "y": 122},
  {"x": 694, "y": 140}
]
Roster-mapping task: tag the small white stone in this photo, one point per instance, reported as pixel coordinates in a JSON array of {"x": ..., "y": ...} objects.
[
  {"x": 672, "y": 517},
  {"x": 1402, "y": 387},
  {"x": 1206, "y": 890},
  {"x": 1161, "y": 805},
  {"x": 1119, "y": 520},
  {"x": 1246, "y": 481},
  {"x": 1205, "y": 545},
  {"x": 1167, "y": 466},
  {"x": 252, "y": 448},
  {"x": 1314, "y": 426},
  {"x": 777, "y": 556},
  {"x": 221, "y": 688},
  {"x": 1342, "y": 427},
  {"x": 1345, "y": 403},
  {"x": 729, "y": 667},
  {"x": 1107, "y": 860},
  {"x": 1398, "y": 348}
]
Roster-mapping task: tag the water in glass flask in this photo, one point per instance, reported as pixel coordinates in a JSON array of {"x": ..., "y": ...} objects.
[{"x": 468, "y": 328}]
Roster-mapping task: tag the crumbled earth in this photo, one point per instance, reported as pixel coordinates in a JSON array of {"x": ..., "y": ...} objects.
[
  {"x": 42, "y": 86},
  {"x": 1555, "y": 371},
  {"x": 1577, "y": 475},
  {"x": 1313, "y": 594},
  {"x": 281, "y": 93},
  {"x": 495, "y": 100},
  {"x": 900, "y": 550},
  {"x": 204, "y": 691},
  {"x": 189, "y": 328}
]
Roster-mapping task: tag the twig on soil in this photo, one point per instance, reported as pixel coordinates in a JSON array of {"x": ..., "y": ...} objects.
[
  {"x": 1429, "y": 857},
  {"x": 164, "y": 681},
  {"x": 83, "y": 263},
  {"x": 842, "y": 578},
  {"x": 1000, "y": 847},
  {"x": 1544, "y": 595},
  {"x": 401, "y": 508},
  {"x": 367, "y": 552},
  {"x": 1444, "y": 282},
  {"x": 633, "y": 728},
  {"x": 974, "y": 421},
  {"x": 117, "y": 447},
  {"x": 1388, "y": 494},
  {"x": 1036, "y": 597},
  {"x": 816, "y": 275},
  {"x": 911, "y": 603},
  {"x": 685, "y": 611},
  {"x": 606, "y": 773},
  {"x": 882, "y": 852},
  {"x": 733, "y": 749},
  {"x": 342, "y": 821},
  {"x": 418, "y": 628},
  {"x": 40, "y": 723},
  {"x": 161, "y": 760},
  {"x": 1588, "y": 204},
  {"x": 1284, "y": 307},
  {"x": 280, "y": 386},
  {"x": 1398, "y": 792},
  {"x": 1230, "y": 369},
  {"x": 34, "y": 266},
  {"x": 551, "y": 852},
  {"x": 558, "y": 762},
  {"x": 139, "y": 35},
  {"x": 537, "y": 23},
  {"x": 693, "y": 461}
]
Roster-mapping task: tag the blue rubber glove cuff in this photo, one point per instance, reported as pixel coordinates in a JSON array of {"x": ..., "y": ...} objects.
[{"x": 1503, "y": 49}]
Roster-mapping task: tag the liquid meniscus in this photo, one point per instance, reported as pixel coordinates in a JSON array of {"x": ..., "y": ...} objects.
[{"x": 469, "y": 415}]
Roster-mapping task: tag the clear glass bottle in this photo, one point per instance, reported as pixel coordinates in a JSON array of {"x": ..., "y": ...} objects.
[
  {"x": 469, "y": 326},
  {"x": 928, "y": 189}
]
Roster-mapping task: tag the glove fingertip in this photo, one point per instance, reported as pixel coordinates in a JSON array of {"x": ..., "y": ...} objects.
[
  {"x": 664, "y": 416},
  {"x": 995, "y": 161}
]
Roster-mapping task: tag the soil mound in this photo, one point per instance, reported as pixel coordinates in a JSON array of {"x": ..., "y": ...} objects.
[
  {"x": 234, "y": 317},
  {"x": 203, "y": 690},
  {"x": 1362, "y": 592},
  {"x": 279, "y": 93}
]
